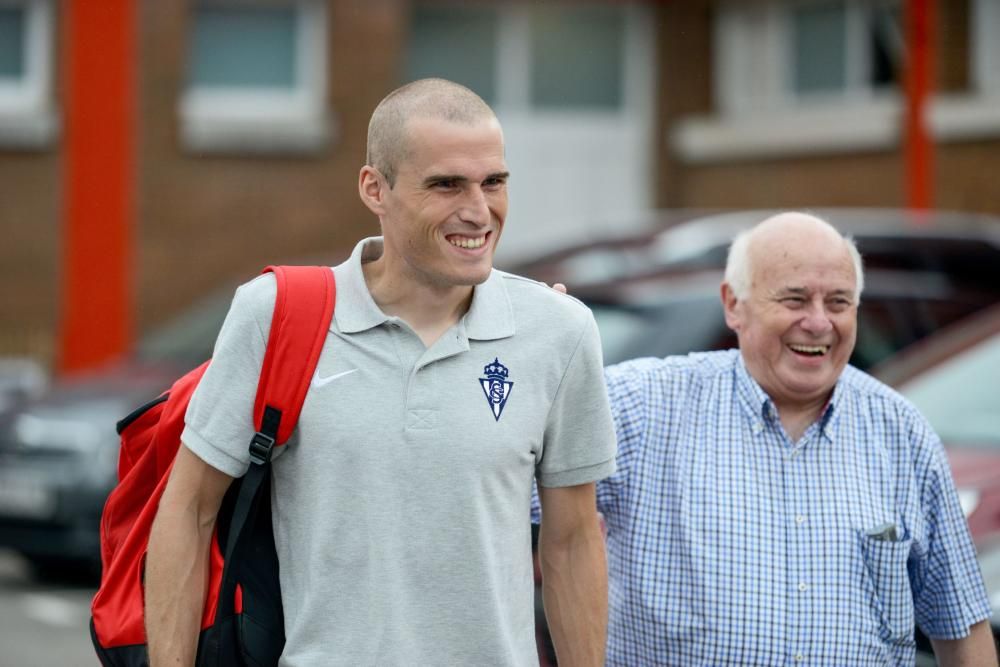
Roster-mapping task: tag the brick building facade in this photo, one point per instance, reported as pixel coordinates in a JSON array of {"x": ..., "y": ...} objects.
[{"x": 208, "y": 212}]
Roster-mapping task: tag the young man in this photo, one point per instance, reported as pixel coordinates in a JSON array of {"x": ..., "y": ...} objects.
[
  {"x": 445, "y": 387},
  {"x": 773, "y": 505}
]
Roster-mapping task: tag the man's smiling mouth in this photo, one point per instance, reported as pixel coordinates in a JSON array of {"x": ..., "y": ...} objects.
[
  {"x": 469, "y": 243},
  {"x": 809, "y": 350}
]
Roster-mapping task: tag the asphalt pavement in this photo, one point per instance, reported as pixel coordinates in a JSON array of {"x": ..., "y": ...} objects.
[{"x": 43, "y": 623}]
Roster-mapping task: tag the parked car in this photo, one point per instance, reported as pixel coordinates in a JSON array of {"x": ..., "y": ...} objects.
[
  {"x": 953, "y": 377},
  {"x": 965, "y": 246},
  {"x": 59, "y": 450},
  {"x": 20, "y": 379}
]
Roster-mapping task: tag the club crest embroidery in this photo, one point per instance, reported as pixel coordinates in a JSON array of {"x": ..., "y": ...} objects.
[{"x": 496, "y": 386}]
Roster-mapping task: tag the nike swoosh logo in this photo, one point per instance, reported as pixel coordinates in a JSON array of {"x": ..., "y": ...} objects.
[{"x": 319, "y": 381}]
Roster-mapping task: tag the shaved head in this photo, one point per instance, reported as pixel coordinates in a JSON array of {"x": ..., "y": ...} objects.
[
  {"x": 749, "y": 245},
  {"x": 440, "y": 99}
]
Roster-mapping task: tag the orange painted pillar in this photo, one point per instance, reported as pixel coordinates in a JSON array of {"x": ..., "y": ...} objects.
[
  {"x": 919, "y": 147},
  {"x": 99, "y": 54}
]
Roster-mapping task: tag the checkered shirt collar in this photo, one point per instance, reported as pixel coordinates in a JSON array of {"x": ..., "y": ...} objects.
[{"x": 758, "y": 405}]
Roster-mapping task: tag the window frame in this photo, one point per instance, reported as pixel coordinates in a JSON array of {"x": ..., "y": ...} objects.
[
  {"x": 221, "y": 119},
  {"x": 760, "y": 118},
  {"x": 27, "y": 116}
]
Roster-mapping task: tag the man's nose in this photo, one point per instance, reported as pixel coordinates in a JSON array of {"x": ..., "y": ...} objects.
[
  {"x": 817, "y": 319},
  {"x": 475, "y": 207}
]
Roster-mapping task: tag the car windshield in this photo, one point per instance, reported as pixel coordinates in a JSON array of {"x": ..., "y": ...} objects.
[{"x": 959, "y": 396}]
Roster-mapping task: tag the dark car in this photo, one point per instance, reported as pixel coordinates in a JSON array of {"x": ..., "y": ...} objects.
[
  {"x": 59, "y": 450},
  {"x": 965, "y": 246},
  {"x": 657, "y": 293}
]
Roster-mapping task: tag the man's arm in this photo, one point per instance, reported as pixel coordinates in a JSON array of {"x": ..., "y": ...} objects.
[
  {"x": 177, "y": 558},
  {"x": 974, "y": 650},
  {"x": 574, "y": 574}
]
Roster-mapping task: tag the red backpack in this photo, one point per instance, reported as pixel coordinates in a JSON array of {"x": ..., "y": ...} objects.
[{"x": 242, "y": 621}]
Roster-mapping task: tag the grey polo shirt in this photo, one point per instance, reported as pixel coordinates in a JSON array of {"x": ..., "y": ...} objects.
[{"x": 401, "y": 502}]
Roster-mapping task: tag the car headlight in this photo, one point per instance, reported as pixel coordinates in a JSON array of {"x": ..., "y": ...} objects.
[{"x": 968, "y": 499}]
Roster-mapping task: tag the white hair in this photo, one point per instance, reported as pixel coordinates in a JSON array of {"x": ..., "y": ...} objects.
[{"x": 739, "y": 271}]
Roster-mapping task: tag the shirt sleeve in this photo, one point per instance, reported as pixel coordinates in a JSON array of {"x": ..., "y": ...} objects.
[
  {"x": 218, "y": 424},
  {"x": 948, "y": 590},
  {"x": 629, "y": 408},
  {"x": 579, "y": 441}
]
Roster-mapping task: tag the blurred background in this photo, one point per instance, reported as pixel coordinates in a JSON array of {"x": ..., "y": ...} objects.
[{"x": 155, "y": 153}]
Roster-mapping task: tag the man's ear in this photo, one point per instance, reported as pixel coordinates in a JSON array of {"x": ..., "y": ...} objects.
[
  {"x": 372, "y": 186},
  {"x": 729, "y": 307}
]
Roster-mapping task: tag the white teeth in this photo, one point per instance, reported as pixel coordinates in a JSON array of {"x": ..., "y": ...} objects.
[
  {"x": 470, "y": 244},
  {"x": 810, "y": 349}
]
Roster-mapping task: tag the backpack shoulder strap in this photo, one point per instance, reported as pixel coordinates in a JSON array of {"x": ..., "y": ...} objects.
[{"x": 303, "y": 308}]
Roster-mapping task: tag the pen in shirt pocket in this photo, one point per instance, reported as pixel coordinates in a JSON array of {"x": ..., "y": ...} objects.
[{"x": 886, "y": 532}]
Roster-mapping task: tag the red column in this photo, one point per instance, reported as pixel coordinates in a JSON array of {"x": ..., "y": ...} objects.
[
  {"x": 919, "y": 147},
  {"x": 99, "y": 111}
]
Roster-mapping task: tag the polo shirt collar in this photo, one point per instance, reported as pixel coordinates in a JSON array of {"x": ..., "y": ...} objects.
[
  {"x": 356, "y": 310},
  {"x": 490, "y": 315},
  {"x": 760, "y": 406}
]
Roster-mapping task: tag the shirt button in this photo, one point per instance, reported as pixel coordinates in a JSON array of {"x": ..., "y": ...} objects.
[
  {"x": 757, "y": 428},
  {"x": 799, "y": 657},
  {"x": 800, "y": 519},
  {"x": 803, "y": 587}
]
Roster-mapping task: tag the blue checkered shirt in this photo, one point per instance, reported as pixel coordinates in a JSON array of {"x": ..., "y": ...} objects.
[{"x": 728, "y": 544}]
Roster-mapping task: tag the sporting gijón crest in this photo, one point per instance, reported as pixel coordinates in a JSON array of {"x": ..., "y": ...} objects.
[{"x": 496, "y": 386}]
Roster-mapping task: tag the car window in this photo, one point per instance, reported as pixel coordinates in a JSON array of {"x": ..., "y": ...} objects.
[
  {"x": 959, "y": 396},
  {"x": 189, "y": 338}
]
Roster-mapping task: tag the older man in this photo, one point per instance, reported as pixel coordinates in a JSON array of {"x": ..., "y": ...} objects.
[{"x": 773, "y": 505}]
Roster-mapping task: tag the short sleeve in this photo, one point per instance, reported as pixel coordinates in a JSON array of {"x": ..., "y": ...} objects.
[
  {"x": 579, "y": 441},
  {"x": 948, "y": 590},
  {"x": 219, "y": 419}
]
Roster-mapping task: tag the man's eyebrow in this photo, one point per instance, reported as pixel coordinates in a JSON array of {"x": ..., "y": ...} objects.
[
  {"x": 802, "y": 291},
  {"x": 439, "y": 178}
]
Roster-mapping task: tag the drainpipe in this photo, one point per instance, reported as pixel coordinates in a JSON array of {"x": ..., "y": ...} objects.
[
  {"x": 919, "y": 147},
  {"x": 98, "y": 173}
]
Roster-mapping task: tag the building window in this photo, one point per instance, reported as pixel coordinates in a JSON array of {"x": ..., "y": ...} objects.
[
  {"x": 806, "y": 77},
  {"x": 459, "y": 46},
  {"x": 27, "y": 118},
  {"x": 783, "y": 54},
  {"x": 528, "y": 58},
  {"x": 578, "y": 57},
  {"x": 985, "y": 16},
  {"x": 819, "y": 46},
  {"x": 256, "y": 78}
]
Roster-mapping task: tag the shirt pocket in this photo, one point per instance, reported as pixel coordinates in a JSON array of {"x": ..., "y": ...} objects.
[{"x": 888, "y": 582}]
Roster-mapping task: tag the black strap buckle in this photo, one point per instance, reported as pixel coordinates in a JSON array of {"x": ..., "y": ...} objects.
[{"x": 261, "y": 446}]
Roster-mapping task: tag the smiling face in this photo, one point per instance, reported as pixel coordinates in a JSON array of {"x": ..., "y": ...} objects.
[
  {"x": 443, "y": 216},
  {"x": 797, "y": 324}
]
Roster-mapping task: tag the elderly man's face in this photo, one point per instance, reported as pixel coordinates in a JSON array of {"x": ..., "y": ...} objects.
[{"x": 798, "y": 324}]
